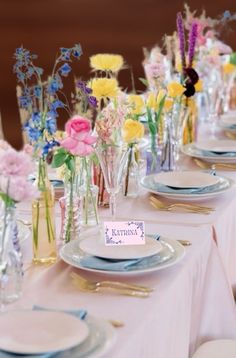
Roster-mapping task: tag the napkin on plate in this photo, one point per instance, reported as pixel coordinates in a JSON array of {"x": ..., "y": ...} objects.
[
  {"x": 81, "y": 314},
  {"x": 108, "y": 265},
  {"x": 204, "y": 190},
  {"x": 209, "y": 153}
]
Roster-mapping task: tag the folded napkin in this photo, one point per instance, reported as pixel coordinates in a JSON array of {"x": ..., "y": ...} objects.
[
  {"x": 211, "y": 153},
  {"x": 81, "y": 314},
  {"x": 108, "y": 265}
]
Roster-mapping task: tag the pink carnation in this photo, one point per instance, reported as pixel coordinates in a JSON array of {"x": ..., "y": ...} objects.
[
  {"x": 18, "y": 188},
  {"x": 15, "y": 163}
]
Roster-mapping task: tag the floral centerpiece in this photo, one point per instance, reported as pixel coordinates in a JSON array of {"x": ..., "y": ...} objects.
[
  {"x": 41, "y": 99},
  {"x": 14, "y": 188}
]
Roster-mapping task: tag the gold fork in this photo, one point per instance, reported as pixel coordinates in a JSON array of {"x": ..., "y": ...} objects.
[
  {"x": 205, "y": 165},
  {"x": 120, "y": 287},
  {"x": 190, "y": 207}
]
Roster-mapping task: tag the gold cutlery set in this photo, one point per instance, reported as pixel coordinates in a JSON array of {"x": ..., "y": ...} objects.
[
  {"x": 122, "y": 288},
  {"x": 193, "y": 208},
  {"x": 220, "y": 166}
]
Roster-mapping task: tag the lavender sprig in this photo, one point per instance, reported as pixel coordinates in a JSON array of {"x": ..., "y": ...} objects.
[
  {"x": 181, "y": 35},
  {"x": 192, "y": 43}
]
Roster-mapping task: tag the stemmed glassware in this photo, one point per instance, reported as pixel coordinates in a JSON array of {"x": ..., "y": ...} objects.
[{"x": 112, "y": 158}]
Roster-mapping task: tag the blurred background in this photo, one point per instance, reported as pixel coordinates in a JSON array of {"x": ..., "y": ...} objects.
[{"x": 101, "y": 26}]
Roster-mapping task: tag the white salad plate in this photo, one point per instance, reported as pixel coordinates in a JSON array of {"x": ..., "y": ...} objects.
[
  {"x": 186, "y": 179},
  {"x": 95, "y": 246},
  {"x": 37, "y": 332},
  {"x": 220, "y": 157},
  {"x": 217, "y": 145},
  {"x": 172, "y": 252},
  {"x": 223, "y": 184}
]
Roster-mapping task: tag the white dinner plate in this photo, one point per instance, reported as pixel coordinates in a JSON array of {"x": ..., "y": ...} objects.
[
  {"x": 186, "y": 179},
  {"x": 37, "y": 332},
  {"x": 217, "y": 145},
  {"x": 228, "y": 119},
  {"x": 95, "y": 246},
  {"x": 171, "y": 253},
  {"x": 192, "y": 151},
  {"x": 150, "y": 184}
]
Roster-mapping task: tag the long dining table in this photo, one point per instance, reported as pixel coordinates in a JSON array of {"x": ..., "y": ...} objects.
[{"x": 192, "y": 301}]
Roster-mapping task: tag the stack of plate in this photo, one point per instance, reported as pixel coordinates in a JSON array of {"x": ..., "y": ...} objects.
[
  {"x": 216, "y": 150},
  {"x": 186, "y": 185},
  {"x": 52, "y": 333},
  {"x": 228, "y": 122},
  {"x": 91, "y": 254}
]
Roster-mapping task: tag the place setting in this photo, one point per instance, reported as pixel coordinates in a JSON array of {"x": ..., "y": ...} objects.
[
  {"x": 71, "y": 333},
  {"x": 92, "y": 254},
  {"x": 187, "y": 186}
]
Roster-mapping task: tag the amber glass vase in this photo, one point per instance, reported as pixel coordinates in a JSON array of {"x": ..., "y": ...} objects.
[{"x": 43, "y": 219}]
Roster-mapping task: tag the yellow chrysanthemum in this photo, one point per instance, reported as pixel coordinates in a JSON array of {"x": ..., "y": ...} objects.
[
  {"x": 136, "y": 103},
  {"x": 175, "y": 89},
  {"x": 199, "y": 86},
  {"x": 104, "y": 87},
  {"x": 106, "y": 62},
  {"x": 132, "y": 131},
  {"x": 228, "y": 68}
]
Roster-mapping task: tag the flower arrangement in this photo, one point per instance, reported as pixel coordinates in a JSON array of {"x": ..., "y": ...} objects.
[{"x": 78, "y": 142}]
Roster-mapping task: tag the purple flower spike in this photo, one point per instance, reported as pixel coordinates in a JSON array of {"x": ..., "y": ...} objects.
[
  {"x": 181, "y": 35},
  {"x": 192, "y": 43}
]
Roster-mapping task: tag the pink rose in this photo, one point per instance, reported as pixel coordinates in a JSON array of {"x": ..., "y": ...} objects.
[
  {"x": 18, "y": 188},
  {"x": 80, "y": 145},
  {"x": 76, "y": 125},
  {"x": 15, "y": 163}
]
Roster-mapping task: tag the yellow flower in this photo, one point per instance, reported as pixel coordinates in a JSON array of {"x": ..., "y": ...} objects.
[
  {"x": 132, "y": 131},
  {"x": 152, "y": 101},
  {"x": 199, "y": 86},
  {"x": 175, "y": 89},
  {"x": 168, "y": 104},
  {"x": 228, "y": 68},
  {"x": 136, "y": 102},
  {"x": 106, "y": 62},
  {"x": 104, "y": 87}
]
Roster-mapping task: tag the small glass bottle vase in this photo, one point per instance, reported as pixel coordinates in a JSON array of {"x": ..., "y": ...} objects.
[
  {"x": 43, "y": 219},
  {"x": 153, "y": 156},
  {"x": 131, "y": 180},
  {"x": 11, "y": 273},
  {"x": 70, "y": 212}
]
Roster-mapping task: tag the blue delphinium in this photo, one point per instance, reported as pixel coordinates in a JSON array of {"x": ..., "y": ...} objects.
[{"x": 41, "y": 99}]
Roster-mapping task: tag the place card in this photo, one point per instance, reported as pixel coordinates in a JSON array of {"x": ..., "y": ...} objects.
[{"x": 124, "y": 232}]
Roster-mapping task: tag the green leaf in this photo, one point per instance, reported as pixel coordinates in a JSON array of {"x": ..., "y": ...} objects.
[
  {"x": 151, "y": 125},
  {"x": 7, "y": 200},
  {"x": 159, "y": 112},
  {"x": 70, "y": 163},
  {"x": 144, "y": 81},
  {"x": 94, "y": 159},
  {"x": 232, "y": 58},
  {"x": 59, "y": 159}
]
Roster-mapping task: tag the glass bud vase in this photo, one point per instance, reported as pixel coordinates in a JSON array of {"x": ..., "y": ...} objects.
[
  {"x": 131, "y": 179},
  {"x": 11, "y": 273},
  {"x": 153, "y": 156},
  {"x": 43, "y": 219},
  {"x": 70, "y": 213},
  {"x": 89, "y": 204}
]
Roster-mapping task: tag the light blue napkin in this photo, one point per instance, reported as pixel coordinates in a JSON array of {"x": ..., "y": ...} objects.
[
  {"x": 209, "y": 153},
  {"x": 81, "y": 314}
]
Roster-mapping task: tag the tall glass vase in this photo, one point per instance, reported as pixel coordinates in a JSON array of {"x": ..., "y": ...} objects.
[
  {"x": 11, "y": 273},
  {"x": 70, "y": 212},
  {"x": 153, "y": 156},
  {"x": 43, "y": 219},
  {"x": 132, "y": 175},
  {"x": 113, "y": 159}
]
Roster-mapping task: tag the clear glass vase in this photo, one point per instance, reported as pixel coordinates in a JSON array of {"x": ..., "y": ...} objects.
[
  {"x": 153, "y": 156},
  {"x": 11, "y": 273},
  {"x": 43, "y": 219},
  {"x": 132, "y": 175}
]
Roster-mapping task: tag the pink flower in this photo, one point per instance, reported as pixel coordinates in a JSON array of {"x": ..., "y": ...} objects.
[
  {"x": 79, "y": 141},
  {"x": 15, "y": 163},
  {"x": 18, "y": 188},
  {"x": 76, "y": 125},
  {"x": 28, "y": 149}
]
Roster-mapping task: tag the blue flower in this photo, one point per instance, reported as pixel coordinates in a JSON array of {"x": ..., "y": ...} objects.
[
  {"x": 36, "y": 117},
  {"x": 49, "y": 145},
  {"x": 51, "y": 125},
  {"x": 93, "y": 101},
  {"x": 37, "y": 91},
  {"x": 65, "y": 69},
  {"x": 25, "y": 101},
  {"x": 33, "y": 133},
  {"x": 65, "y": 53},
  {"x": 77, "y": 51},
  {"x": 55, "y": 105}
]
